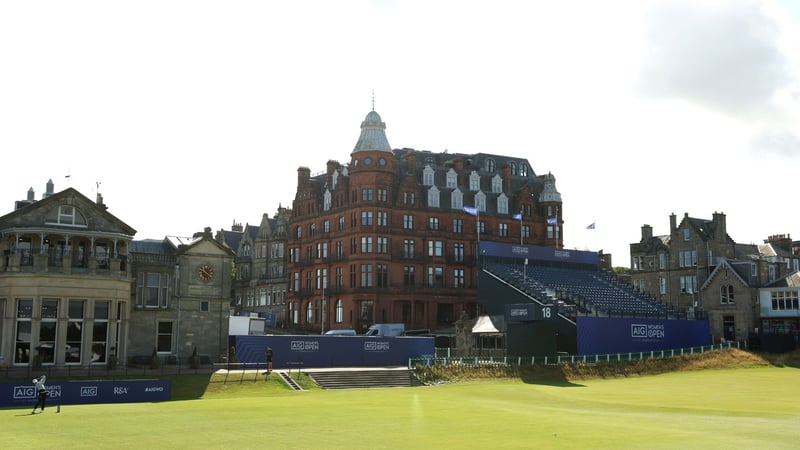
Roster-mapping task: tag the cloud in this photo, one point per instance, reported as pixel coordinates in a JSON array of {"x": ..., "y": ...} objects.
[
  {"x": 722, "y": 55},
  {"x": 778, "y": 141}
]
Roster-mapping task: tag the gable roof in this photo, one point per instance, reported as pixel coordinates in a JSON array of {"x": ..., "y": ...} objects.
[
  {"x": 35, "y": 215},
  {"x": 726, "y": 266}
]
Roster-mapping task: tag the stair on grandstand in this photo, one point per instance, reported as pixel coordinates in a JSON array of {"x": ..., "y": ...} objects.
[{"x": 367, "y": 378}]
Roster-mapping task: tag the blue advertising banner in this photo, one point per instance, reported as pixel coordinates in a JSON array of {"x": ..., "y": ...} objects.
[
  {"x": 531, "y": 252},
  {"x": 84, "y": 392},
  {"x": 332, "y": 351},
  {"x": 602, "y": 335}
]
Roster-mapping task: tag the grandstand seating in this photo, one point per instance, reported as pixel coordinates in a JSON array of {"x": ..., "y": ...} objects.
[{"x": 580, "y": 291}]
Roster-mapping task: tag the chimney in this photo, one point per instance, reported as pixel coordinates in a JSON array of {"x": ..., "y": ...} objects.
[
  {"x": 505, "y": 172},
  {"x": 673, "y": 225},
  {"x": 237, "y": 227},
  {"x": 647, "y": 232},
  {"x": 303, "y": 176},
  {"x": 720, "y": 228}
]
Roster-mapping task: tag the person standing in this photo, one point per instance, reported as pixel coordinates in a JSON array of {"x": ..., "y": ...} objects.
[
  {"x": 41, "y": 392},
  {"x": 269, "y": 360}
]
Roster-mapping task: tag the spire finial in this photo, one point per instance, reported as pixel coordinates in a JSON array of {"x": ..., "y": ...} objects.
[{"x": 373, "y": 99}]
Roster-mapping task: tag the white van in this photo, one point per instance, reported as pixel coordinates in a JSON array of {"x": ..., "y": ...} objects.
[
  {"x": 386, "y": 329},
  {"x": 340, "y": 333}
]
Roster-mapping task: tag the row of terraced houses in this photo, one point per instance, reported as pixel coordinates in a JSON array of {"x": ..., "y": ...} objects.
[{"x": 389, "y": 236}]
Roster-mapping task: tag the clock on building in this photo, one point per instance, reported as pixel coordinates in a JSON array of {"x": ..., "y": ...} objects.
[{"x": 205, "y": 272}]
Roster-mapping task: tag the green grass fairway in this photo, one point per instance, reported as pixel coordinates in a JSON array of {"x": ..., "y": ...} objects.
[{"x": 753, "y": 408}]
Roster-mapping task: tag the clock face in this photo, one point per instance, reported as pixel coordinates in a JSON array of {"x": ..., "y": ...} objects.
[{"x": 205, "y": 272}]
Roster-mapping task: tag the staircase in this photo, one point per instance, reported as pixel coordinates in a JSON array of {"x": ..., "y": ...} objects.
[{"x": 360, "y": 379}]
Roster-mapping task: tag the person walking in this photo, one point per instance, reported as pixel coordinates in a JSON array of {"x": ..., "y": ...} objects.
[
  {"x": 269, "y": 360},
  {"x": 41, "y": 391}
]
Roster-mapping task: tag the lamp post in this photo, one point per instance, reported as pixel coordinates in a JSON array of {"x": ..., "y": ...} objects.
[{"x": 323, "y": 309}]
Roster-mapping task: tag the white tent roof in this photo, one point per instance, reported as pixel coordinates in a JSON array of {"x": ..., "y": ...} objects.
[{"x": 484, "y": 325}]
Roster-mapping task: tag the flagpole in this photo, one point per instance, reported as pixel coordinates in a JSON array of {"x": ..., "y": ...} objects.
[{"x": 520, "y": 228}]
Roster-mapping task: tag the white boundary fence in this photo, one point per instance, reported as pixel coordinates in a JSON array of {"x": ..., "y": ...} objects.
[{"x": 478, "y": 361}]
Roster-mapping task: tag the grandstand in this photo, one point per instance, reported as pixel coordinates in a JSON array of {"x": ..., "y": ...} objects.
[{"x": 569, "y": 279}]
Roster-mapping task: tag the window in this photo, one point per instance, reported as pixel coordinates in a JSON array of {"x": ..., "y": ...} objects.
[
  {"x": 152, "y": 290},
  {"x": 526, "y": 231},
  {"x": 435, "y": 248},
  {"x": 339, "y": 250},
  {"x": 102, "y": 311},
  {"x": 458, "y": 225},
  {"x": 458, "y": 252},
  {"x": 452, "y": 179},
  {"x": 74, "y": 331},
  {"x": 366, "y": 275},
  {"x": 435, "y": 277},
  {"x": 662, "y": 261},
  {"x": 409, "y": 198},
  {"x": 326, "y": 226},
  {"x": 513, "y": 166},
  {"x": 688, "y": 284},
  {"x": 490, "y": 165},
  {"x": 433, "y": 197},
  {"x": 382, "y": 280},
  {"x": 726, "y": 295},
  {"x": 502, "y": 204},
  {"x": 341, "y": 223},
  {"x": 366, "y": 218},
  {"x": 309, "y": 312},
  {"x": 383, "y": 218},
  {"x": 47, "y": 331},
  {"x": 322, "y": 250},
  {"x": 339, "y": 275},
  {"x": 339, "y": 311},
  {"x": 481, "y": 226},
  {"x": 480, "y": 201},
  {"x": 474, "y": 181},
  {"x": 687, "y": 258},
  {"x": 662, "y": 285},
  {"x": 408, "y": 248},
  {"x": 383, "y": 195},
  {"x": 523, "y": 170},
  {"x": 382, "y": 245},
  {"x": 785, "y": 300},
  {"x": 22, "y": 351},
  {"x": 408, "y": 222},
  {"x": 458, "y": 278},
  {"x": 456, "y": 199},
  {"x": 366, "y": 195},
  {"x": 322, "y": 278},
  {"x": 427, "y": 176},
  {"x": 497, "y": 184},
  {"x": 686, "y": 234},
  {"x": 409, "y": 278},
  {"x": 204, "y": 306},
  {"x": 326, "y": 200},
  {"x": 433, "y": 223},
  {"x": 366, "y": 244},
  {"x": 503, "y": 230},
  {"x": 299, "y": 232}
]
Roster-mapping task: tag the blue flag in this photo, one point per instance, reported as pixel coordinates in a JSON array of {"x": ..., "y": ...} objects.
[
  {"x": 552, "y": 221},
  {"x": 591, "y": 226},
  {"x": 517, "y": 216},
  {"x": 471, "y": 210}
]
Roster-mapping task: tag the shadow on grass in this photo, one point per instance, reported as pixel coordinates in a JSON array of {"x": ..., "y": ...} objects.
[
  {"x": 188, "y": 387},
  {"x": 547, "y": 376}
]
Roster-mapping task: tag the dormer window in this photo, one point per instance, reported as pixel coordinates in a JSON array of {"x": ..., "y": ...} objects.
[
  {"x": 490, "y": 165},
  {"x": 326, "y": 201},
  {"x": 427, "y": 176},
  {"x": 497, "y": 184},
  {"x": 456, "y": 199},
  {"x": 452, "y": 179},
  {"x": 513, "y": 166},
  {"x": 480, "y": 201},
  {"x": 502, "y": 204},
  {"x": 523, "y": 169},
  {"x": 433, "y": 197},
  {"x": 474, "y": 181}
]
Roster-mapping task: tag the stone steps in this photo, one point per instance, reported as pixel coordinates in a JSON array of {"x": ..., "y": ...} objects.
[{"x": 360, "y": 379}]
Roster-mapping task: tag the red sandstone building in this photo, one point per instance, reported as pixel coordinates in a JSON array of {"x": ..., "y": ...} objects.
[{"x": 391, "y": 236}]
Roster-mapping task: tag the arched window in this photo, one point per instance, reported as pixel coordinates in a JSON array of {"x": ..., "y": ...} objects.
[
  {"x": 490, "y": 165},
  {"x": 339, "y": 311},
  {"x": 456, "y": 199},
  {"x": 427, "y": 176},
  {"x": 474, "y": 181},
  {"x": 452, "y": 179},
  {"x": 497, "y": 184}
]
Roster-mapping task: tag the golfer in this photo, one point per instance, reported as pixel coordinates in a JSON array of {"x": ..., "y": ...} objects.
[
  {"x": 42, "y": 393},
  {"x": 269, "y": 359}
]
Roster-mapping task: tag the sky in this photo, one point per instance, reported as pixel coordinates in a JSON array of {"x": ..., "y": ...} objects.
[{"x": 194, "y": 114}]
